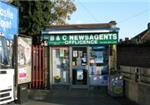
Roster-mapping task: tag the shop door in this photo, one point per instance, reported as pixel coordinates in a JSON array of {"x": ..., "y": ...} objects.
[
  {"x": 60, "y": 65},
  {"x": 79, "y": 65},
  {"x": 98, "y": 65}
]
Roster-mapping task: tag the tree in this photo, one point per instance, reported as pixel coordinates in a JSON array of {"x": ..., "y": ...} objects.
[{"x": 35, "y": 15}]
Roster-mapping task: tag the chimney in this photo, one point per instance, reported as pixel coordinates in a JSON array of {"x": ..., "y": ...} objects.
[
  {"x": 113, "y": 22},
  {"x": 148, "y": 25},
  {"x": 113, "y": 26},
  {"x": 126, "y": 39}
]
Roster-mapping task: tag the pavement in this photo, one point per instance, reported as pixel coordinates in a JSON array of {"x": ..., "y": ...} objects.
[{"x": 73, "y": 97}]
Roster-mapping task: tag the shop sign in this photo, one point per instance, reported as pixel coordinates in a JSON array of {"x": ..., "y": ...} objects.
[{"x": 81, "y": 39}]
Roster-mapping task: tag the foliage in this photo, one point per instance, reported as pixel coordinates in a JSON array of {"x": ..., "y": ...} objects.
[{"x": 34, "y": 15}]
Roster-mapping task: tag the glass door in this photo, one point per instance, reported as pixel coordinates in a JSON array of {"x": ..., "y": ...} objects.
[
  {"x": 98, "y": 65},
  {"x": 60, "y": 65},
  {"x": 79, "y": 65}
]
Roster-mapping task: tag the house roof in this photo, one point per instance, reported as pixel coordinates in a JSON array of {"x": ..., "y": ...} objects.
[
  {"x": 80, "y": 26},
  {"x": 146, "y": 36},
  {"x": 77, "y": 28},
  {"x": 140, "y": 35},
  {"x": 143, "y": 36}
]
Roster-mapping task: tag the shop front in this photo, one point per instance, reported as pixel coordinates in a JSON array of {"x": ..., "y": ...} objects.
[{"x": 79, "y": 58}]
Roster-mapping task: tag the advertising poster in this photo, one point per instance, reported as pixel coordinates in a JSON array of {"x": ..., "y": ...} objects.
[
  {"x": 99, "y": 57},
  {"x": 75, "y": 53},
  {"x": 79, "y": 74},
  {"x": 62, "y": 52},
  {"x": 8, "y": 20},
  {"x": 24, "y": 60},
  {"x": 97, "y": 80}
]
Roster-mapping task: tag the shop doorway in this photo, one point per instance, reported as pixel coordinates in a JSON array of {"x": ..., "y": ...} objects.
[
  {"x": 79, "y": 65},
  {"x": 60, "y": 65}
]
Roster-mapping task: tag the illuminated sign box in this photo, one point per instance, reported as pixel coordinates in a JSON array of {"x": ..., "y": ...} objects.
[
  {"x": 81, "y": 39},
  {"x": 23, "y": 59}
]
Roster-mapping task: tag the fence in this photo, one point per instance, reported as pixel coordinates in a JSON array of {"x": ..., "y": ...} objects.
[
  {"x": 38, "y": 67},
  {"x": 134, "y": 62},
  {"x": 137, "y": 83},
  {"x": 137, "y": 74},
  {"x": 134, "y": 56}
]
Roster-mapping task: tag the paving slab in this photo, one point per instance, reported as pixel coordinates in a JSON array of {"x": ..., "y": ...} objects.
[{"x": 74, "y": 97}]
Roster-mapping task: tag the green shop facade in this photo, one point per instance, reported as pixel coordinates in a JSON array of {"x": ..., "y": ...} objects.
[{"x": 80, "y": 55}]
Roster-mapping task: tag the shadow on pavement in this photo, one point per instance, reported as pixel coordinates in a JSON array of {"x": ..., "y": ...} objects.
[{"x": 76, "y": 97}]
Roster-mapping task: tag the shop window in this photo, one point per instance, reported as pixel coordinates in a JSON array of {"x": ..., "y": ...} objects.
[{"x": 60, "y": 60}]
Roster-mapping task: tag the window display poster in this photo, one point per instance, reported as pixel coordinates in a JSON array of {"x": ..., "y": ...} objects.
[
  {"x": 23, "y": 60},
  {"x": 57, "y": 53},
  {"x": 98, "y": 70},
  {"x": 62, "y": 52},
  {"x": 101, "y": 80},
  {"x": 75, "y": 53},
  {"x": 84, "y": 61},
  {"x": 105, "y": 70},
  {"x": 80, "y": 74},
  {"x": 80, "y": 53},
  {"x": 78, "y": 61},
  {"x": 99, "y": 57},
  {"x": 73, "y": 63},
  {"x": 64, "y": 76},
  {"x": 92, "y": 69}
]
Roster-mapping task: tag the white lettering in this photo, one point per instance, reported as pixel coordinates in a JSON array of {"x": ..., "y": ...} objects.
[
  {"x": 57, "y": 38},
  {"x": 105, "y": 37},
  {"x": 110, "y": 36},
  {"x": 52, "y": 38},
  {"x": 86, "y": 38},
  {"x": 96, "y": 37},
  {"x": 91, "y": 37},
  {"x": 64, "y": 37},
  {"x": 71, "y": 38},
  {"x": 81, "y": 42},
  {"x": 6, "y": 13},
  {"x": 5, "y": 24},
  {"x": 81, "y": 37},
  {"x": 75, "y": 37},
  {"x": 114, "y": 36},
  {"x": 100, "y": 37}
]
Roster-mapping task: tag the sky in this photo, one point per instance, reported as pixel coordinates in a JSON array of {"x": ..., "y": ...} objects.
[{"x": 132, "y": 16}]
